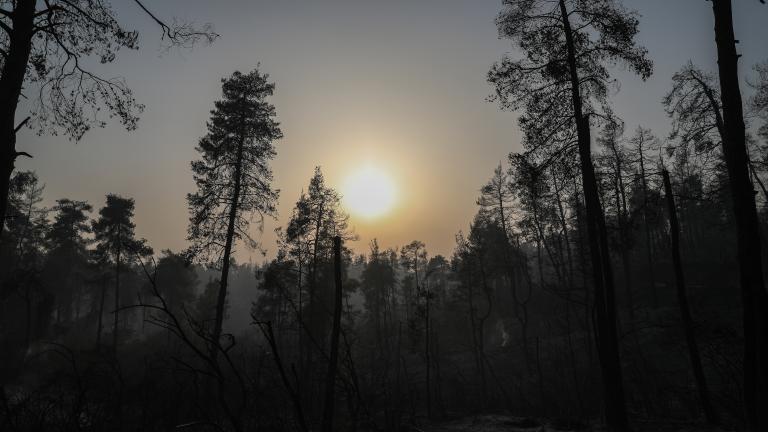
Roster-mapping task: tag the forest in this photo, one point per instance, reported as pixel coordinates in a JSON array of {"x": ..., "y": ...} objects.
[{"x": 612, "y": 278}]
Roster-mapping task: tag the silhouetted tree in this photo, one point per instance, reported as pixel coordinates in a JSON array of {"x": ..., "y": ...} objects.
[
  {"x": 641, "y": 144},
  {"x": 496, "y": 198},
  {"x": 233, "y": 177},
  {"x": 67, "y": 258},
  {"x": 317, "y": 217},
  {"x": 176, "y": 280},
  {"x": 693, "y": 104},
  {"x": 616, "y": 160},
  {"x": 27, "y": 221},
  {"x": 560, "y": 81},
  {"x": 530, "y": 185},
  {"x": 70, "y": 225},
  {"x": 330, "y": 381},
  {"x": 748, "y": 245},
  {"x": 44, "y": 49},
  {"x": 26, "y": 304},
  {"x": 116, "y": 242},
  {"x": 378, "y": 280},
  {"x": 413, "y": 257},
  {"x": 276, "y": 282},
  {"x": 478, "y": 260}
]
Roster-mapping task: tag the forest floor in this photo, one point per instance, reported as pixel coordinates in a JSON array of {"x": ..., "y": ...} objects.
[{"x": 504, "y": 423}]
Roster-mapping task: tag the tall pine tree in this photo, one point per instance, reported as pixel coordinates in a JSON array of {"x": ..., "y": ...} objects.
[
  {"x": 561, "y": 80},
  {"x": 233, "y": 177}
]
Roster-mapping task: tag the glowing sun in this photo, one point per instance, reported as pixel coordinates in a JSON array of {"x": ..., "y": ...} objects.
[{"x": 369, "y": 192}]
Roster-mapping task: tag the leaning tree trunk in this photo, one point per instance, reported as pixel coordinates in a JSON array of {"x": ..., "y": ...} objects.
[
  {"x": 330, "y": 380},
  {"x": 682, "y": 298},
  {"x": 753, "y": 293},
  {"x": 11, "y": 81},
  {"x": 222, "y": 296},
  {"x": 605, "y": 301}
]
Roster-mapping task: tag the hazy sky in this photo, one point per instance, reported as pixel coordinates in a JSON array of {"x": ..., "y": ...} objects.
[{"x": 397, "y": 84}]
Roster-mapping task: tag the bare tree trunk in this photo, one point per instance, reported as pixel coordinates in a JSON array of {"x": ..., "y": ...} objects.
[
  {"x": 682, "y": 299},
  {"x": 330, "y": 381},
  {"x": 11, "y": 82},
  {"x": 754, "y": 295},
  {"x": 605, "y": 302},
  {"x": 222, "y": 295}
]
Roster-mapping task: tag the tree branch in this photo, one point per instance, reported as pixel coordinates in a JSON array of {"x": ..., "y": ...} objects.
[{"x": 21, "y": 125}]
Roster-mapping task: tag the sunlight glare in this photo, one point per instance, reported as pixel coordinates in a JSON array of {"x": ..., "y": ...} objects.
[{"x": 369, "y": 192}]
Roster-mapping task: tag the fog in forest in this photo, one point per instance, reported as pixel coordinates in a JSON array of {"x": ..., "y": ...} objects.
[{"x": 517, "y": 215}]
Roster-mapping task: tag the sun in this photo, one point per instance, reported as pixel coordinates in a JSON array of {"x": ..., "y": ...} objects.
[{"x": 369, "y": 192}]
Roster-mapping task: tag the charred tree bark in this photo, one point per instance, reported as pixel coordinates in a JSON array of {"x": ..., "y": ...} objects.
[
  {"x": 753, "y": 292},
  {"x": 685, "y": 313},
  {"x": 330, "y": 380}
]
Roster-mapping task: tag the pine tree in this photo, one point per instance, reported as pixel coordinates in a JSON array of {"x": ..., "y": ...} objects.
[
  {"x": 116, "y": 242},
  {"x": 67, "y": 258},
  {"x": 233, "y": 177},
  {"x": 561, "y": 80},
  {"x": 48, "y": 46}
]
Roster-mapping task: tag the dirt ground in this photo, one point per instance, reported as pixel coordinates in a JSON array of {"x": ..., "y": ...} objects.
[{"x": 503, "y": 423}]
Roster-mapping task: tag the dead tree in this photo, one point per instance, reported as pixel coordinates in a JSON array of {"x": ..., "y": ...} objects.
[{"x": 682, "y": 299}]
